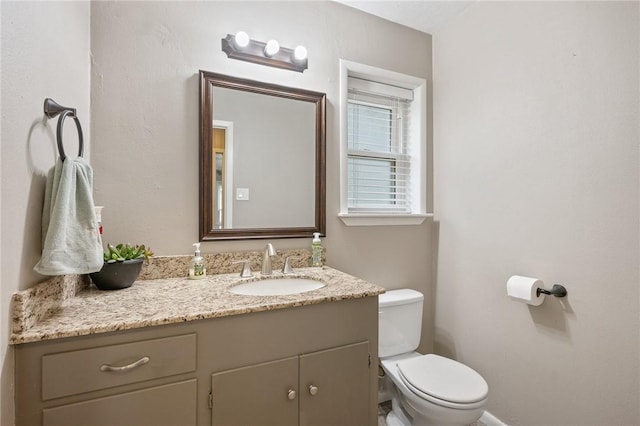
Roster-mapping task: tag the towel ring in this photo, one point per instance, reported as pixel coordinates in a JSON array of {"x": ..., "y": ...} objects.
[
  {"x": 51, "y": 110},
  {"x": 64, "y": 115}
]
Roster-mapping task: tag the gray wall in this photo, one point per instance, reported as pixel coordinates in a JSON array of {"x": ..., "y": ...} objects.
[
  {"x": 537, "y": 168},
  {"x": 45, "y": 53}
]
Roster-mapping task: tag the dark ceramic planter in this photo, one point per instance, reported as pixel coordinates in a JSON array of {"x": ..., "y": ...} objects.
[{"x": 117, "y": 275}]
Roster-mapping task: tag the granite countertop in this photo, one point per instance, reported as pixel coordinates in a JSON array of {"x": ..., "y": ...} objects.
[{"x": 172, "y": 300}]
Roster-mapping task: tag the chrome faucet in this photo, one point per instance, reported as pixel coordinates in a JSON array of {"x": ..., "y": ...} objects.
[{"x": 266, "y": 259}]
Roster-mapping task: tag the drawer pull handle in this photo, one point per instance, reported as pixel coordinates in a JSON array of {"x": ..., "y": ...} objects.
[
  {"x": 313, "y": 390},
  {"x": 138, "y": 363},
  {"x": 291, "y": 394}
]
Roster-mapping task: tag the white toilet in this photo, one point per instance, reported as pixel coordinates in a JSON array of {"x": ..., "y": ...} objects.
[{"x": 425, "y": 389}]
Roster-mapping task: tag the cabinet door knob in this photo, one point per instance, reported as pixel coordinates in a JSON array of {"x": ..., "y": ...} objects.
[
  {"x": 313, "y": 390},
  {"x": 291, "y": 394}
]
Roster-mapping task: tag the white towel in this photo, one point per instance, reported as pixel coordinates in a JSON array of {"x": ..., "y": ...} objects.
[{"x": 71, "y": 242}]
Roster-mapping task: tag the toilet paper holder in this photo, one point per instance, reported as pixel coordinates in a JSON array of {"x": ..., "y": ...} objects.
[{"x": 557, "y": 290}]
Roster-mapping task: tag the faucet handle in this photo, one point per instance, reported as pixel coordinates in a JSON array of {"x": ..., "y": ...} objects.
[
  {"x": 287, "y": 269},
  {"x": 246, "y": 269}
]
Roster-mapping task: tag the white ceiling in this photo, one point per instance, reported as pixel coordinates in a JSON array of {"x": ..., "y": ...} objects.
[{"x": 426, "y": 15}]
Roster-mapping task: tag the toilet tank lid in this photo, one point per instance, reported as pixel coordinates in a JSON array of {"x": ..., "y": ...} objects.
[{"x": 402, "y": 296}]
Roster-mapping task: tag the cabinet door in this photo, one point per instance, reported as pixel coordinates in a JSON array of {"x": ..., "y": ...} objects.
[
  {"x": 334, "y": 386},
  {"x": 168, "y": 405},
  {"x": 258, "y": 395}
]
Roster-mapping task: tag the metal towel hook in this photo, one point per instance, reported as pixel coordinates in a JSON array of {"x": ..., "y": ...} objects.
[{"x": 53, "y": 109}]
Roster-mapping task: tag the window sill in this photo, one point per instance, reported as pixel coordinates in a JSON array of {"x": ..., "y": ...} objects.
[{"x": 369, "y": 219}]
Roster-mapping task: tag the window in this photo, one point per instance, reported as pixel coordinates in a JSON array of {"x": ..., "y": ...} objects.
[
  {"x": 383, "y": 145},
  {"x": 377, "y": 160}
]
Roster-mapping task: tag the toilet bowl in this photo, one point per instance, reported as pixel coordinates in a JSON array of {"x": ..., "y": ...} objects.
[{"x": 426, "y": 389}]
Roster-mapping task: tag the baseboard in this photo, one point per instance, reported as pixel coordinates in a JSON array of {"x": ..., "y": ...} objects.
[{"x": 491, "y": 420}]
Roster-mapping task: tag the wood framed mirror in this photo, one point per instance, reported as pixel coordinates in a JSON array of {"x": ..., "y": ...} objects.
[{"x": 262, "y": 164}]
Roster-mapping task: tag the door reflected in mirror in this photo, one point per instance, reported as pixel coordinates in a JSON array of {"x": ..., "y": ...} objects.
[
  {"x": 220, "y": 180},
  {"x": 262, "y": 160}
]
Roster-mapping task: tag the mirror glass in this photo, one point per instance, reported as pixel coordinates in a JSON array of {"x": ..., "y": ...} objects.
[{"x": 262, "y": 159}]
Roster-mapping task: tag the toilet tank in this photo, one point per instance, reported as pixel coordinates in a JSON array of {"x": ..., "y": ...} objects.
[{"x": 399, "y": 322}]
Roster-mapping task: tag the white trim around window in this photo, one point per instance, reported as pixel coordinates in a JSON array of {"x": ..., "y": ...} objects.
[{"x": 417, "y": 88}]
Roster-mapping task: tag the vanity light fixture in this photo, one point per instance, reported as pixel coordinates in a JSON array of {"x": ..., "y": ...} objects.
[
  {"x": 240, "y": 46},
  {"x": 271, "y": 48},
  {"x": 241, "y": 39},
  {"x": 300, "y": 53}
]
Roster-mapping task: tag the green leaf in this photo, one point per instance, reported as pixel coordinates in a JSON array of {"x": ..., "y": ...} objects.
[{"x": 122, "y": 252}]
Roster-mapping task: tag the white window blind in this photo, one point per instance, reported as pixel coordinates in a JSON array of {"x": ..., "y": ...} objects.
[{"x": 378, "y": 160}]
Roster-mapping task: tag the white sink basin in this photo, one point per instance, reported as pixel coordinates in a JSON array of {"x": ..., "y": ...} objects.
[{"x": 276, "y": 287}]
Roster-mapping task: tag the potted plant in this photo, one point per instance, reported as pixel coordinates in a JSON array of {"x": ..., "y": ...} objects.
[{"x": 122, "y": 264}]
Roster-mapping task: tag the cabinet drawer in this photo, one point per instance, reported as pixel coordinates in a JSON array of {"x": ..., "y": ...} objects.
[
  {"x": 167, "y": 405},
  {"x": 70, "y": 373}
]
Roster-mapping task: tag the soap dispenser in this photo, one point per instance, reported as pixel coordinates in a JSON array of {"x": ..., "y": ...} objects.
[
  {"x": 197, "y": 270},
  {"x": 316, "y": 250}
]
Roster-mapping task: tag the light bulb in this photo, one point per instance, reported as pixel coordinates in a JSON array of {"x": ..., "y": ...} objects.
[
  {"x": 271, "y": 48},
  {"x": 241, "y": 39},
  {"x": 300, "y": 53}
]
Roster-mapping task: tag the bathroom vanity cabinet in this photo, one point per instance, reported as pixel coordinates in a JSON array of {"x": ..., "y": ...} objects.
[
  {"x": 328, "y": 387},
  {"x": 307, "y": 365}
]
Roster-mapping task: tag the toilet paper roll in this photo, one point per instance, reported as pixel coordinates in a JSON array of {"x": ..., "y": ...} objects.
[{"x": 524, "y": 289}]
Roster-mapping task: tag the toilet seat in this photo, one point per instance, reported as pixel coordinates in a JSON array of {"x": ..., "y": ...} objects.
[{"x": 443, "y": 381}]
